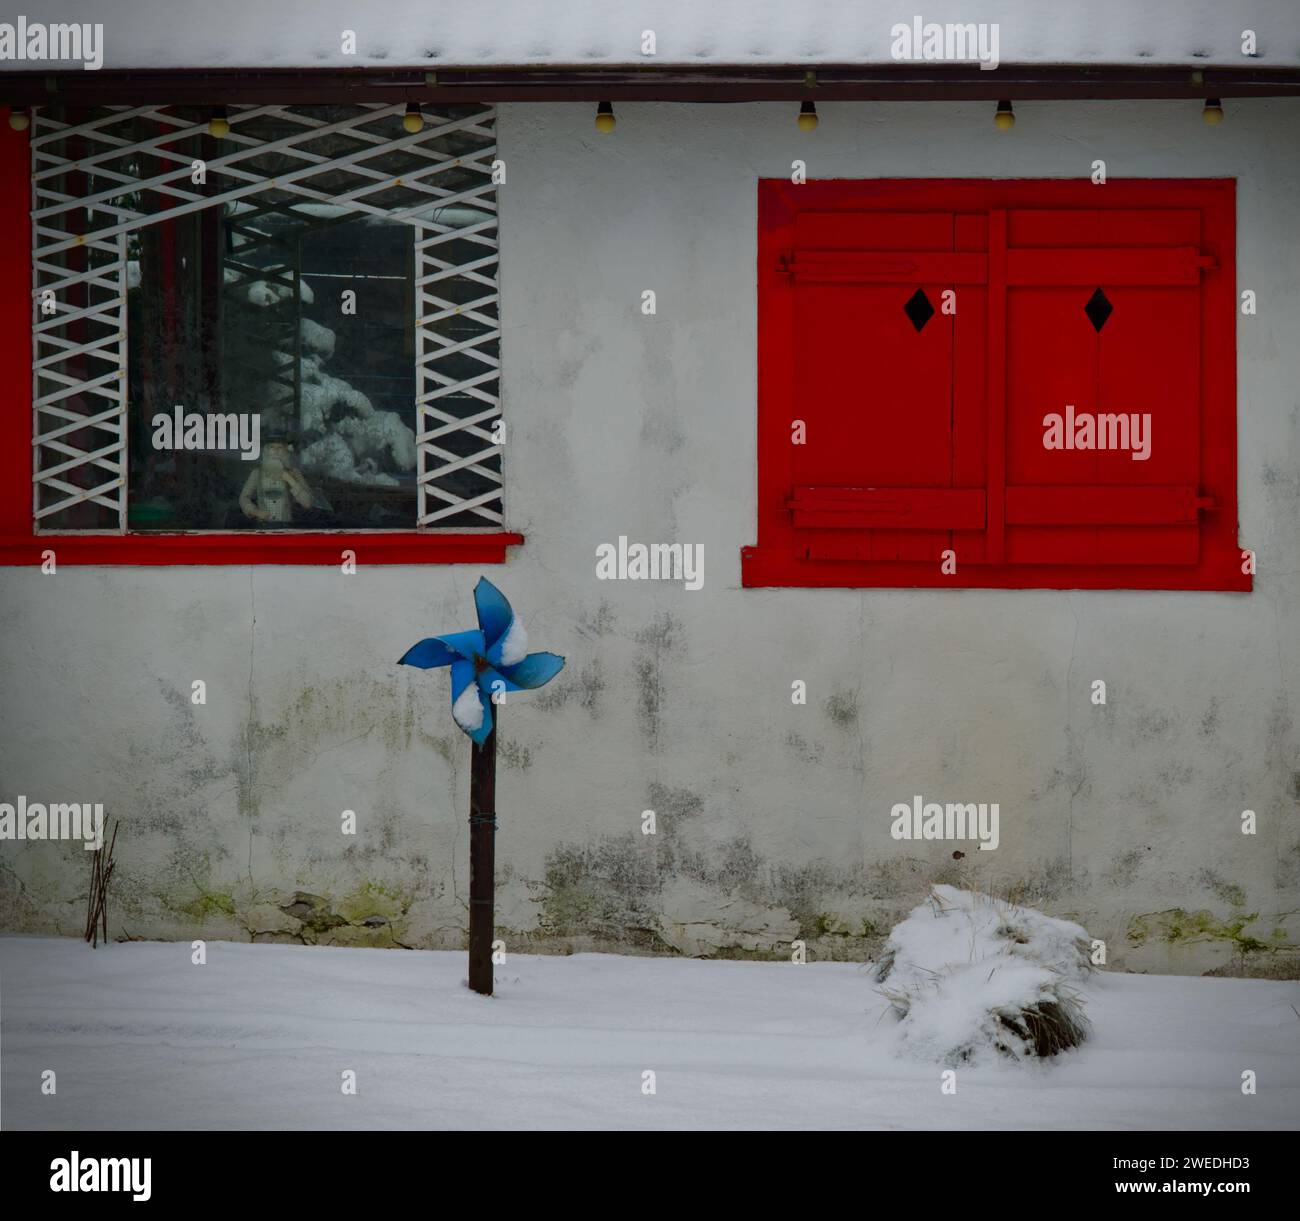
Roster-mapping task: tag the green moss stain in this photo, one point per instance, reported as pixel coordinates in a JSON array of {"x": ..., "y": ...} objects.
[
  {"x": 832, "y": 924},
  {"x": 1180, "y": 927},
  {"x": 372, "y": 899},
  {"x": 208, "y": 903},
  {"x": 313, "y": 910}
]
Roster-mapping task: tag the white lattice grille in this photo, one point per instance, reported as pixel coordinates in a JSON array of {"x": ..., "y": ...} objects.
[{"x": 102, "y": 177}]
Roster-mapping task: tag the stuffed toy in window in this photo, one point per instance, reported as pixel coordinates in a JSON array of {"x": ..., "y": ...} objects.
[{"x": 271, "y": 490}]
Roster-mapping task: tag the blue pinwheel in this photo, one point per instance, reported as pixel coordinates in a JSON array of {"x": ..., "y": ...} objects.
[
  {"x": 491, "y": 661},
  {"x": 484, "y": 663}
]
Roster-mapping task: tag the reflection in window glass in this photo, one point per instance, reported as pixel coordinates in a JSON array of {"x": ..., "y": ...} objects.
[{"x": 271, "y": 370}]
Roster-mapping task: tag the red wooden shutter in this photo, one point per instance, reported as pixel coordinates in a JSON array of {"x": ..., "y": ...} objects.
[
  {"x": 874, "y": 479},
  {"x": 1103, "y": 318},
  {"x": 925, "y": 427}
]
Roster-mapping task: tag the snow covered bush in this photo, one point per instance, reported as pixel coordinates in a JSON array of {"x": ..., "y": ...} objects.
[{"x": 966, "y": 973}]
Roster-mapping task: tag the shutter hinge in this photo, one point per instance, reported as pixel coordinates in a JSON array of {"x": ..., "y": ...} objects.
[
  {"x": 1207, "y": 262},
  {"x": 785, "y": 263},
  {"x": 1205, "y": 504}
]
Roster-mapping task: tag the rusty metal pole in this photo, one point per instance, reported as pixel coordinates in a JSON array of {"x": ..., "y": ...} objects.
[{"x": 482, "y": 855}]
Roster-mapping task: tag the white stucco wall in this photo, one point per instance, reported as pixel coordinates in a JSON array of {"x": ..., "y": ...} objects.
[{"x": 773, "y": 819}]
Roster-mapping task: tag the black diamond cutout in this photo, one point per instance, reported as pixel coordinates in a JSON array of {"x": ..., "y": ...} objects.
[
  {"x": 1098, "y": 310},
  {"x": 919, "y": 309}
]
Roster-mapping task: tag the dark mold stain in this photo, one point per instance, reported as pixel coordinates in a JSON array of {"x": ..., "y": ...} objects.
[
  {"x": 608, "y": 890},
  {"x": 597, "y": 622},
  {"x": 800, "y": 747},
  {"x": 514, "y": 754},
  {"x": 662, "y": 432},
  {"x": 1177, "y": 775},
  {"x": 553, "y": 696},
  {"x": 1151, "y": 724},
  {"x": 1124, "y": 868},
  {"x": 657, "y": 640},
  {"x": 590, "y": 684},
  {"x": 673, "y": 805},
  {"x": 1287, "y": 871},
  {"x": 1227, "y": 892},
  {"x": 842, "y": 708}
]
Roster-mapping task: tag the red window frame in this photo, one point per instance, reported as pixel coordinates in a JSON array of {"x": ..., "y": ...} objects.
[
  {"x": 780, "y": 557},
  {"x": 20, "y": 544}
]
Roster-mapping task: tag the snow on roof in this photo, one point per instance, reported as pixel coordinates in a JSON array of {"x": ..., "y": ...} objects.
[{"x": 428, "y": 34}]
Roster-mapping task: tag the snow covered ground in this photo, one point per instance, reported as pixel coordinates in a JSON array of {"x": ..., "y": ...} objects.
[{"x": 261, "y": 1035}]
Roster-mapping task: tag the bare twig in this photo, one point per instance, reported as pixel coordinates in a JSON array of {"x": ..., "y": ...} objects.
[{"x": 101, "y": 872}]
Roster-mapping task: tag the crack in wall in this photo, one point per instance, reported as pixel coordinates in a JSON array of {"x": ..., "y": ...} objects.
[{"x": 247, "y": 803}]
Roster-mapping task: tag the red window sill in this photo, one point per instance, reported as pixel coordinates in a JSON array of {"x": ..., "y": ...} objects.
[
  {"x": 760, "y": 570},
  {"x": 257, "y": 548}
]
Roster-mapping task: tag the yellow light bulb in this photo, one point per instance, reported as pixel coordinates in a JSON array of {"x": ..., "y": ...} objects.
[
  {"x": 605, "y": 120},
  {"x": 1213, "y": 112},
  {"x": 219, "y": 126},
  {"x": 413, "y": 119},
  {"x": 19, "y": 120},
  {"x": 808, "y": 117}
]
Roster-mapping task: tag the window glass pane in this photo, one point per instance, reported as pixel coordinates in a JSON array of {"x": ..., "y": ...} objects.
[{"x": 271, "y": 369}]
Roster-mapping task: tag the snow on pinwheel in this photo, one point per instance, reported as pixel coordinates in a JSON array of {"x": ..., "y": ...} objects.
[{"x": 485, "y": 665}]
